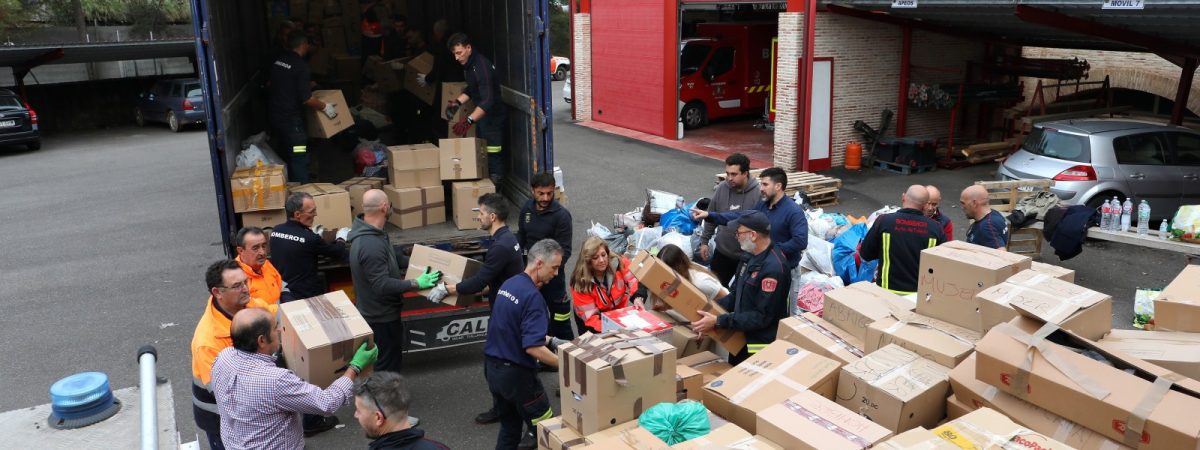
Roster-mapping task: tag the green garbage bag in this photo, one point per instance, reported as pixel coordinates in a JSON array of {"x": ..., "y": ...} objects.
[{"x": 676, "y": 422}]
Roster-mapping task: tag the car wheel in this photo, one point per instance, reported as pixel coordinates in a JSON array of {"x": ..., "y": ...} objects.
[
  {"x": 173, "y": 121},
  {"x": 35, "y": 145},
  {"x": 693, "y": 115},
  {"x": 560, "y": 74},
  {"x": 1098, "y": 200},
  {"x": 138, "y": 117}
]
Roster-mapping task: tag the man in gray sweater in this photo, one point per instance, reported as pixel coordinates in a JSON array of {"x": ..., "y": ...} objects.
[{"x": 738, "y": 192}]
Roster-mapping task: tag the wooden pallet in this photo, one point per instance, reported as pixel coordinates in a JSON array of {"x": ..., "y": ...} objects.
[
  {"x": 813, "y": 185},
  {"x": 903, "y": 169}
]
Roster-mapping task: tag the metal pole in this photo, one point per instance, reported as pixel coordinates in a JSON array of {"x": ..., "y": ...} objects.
[{"x": 148, "y": 385}]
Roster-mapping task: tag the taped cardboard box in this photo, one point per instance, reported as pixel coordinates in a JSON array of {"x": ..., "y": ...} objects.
[
  {"x": 422, "y": 63},
  {"x": 662, "y": 281},
  {"x": 814, "y": 334},
  {"x": 320, "y": 336},
  {"x": 320, "y": 125},
  {"x": 611, "y": 378},
  {"x": 1093, "y": 394},
  {"x": 918, "y": 438},
  {"x": 258, "y": 188},
  {"x": 632, "y": 318},
  {"x": 1061, "y": 273},
  {"x": 263, "y": 219},
  {"x": 780, "y": 370},
  {"x": 982, "y": 429},
  {"x": 636, "y": 438},
  {"x": 463, "y": 159},
  {"x": 941, "y": 342},
  {"x": 358, "y": 186},
  {"x": 695, "y": 371},
  {"x": 895, "y": 388},
  {"x": 854, "y": 307},
  {"x": 956, "y": 408},
  {"x": 727, "y": 436},
  {"x": 1176, "y": 351},
  {"x": 973, "y": 393},
  {"x": 465, "y": 197},
  {"x": 809, "y": 421},
  {"x": 708, "y": 364},
  {"x": 416, "y": 207},
  {"x": 685, "y": 341},
  {"x": 1086, "y": 312},
  {"x": 333, "y": 204},
  {"x": 952, "y": 274},
  {"x": 414, "y": 165},
  {"x": 554, "y": 435},
  {"x": 454, "y": 268},
  {"x": 1177, "y": 308}
]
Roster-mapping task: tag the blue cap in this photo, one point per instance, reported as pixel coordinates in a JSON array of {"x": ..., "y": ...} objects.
[{"x": 754, "y": 220}]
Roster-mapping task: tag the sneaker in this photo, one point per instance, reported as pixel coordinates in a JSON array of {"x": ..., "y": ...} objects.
[
  {"x": 487, "y": 417},
  {"x": 413, "y": 421},
  {"x": 528, "y": 442},
  {"x": 325, "y": 424}
]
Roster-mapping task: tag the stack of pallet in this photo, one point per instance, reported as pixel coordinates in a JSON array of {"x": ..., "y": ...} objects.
[
  {"x": 821, "y": 190},
  {"x": 988, "y": 151}
]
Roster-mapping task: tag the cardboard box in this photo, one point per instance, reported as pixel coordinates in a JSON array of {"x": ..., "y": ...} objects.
[
  {"x": 918, "y": 438},
  {"x": 1173, "y": 350},
  {"x": 780, "y": 370},
  {"x": 320, "y": 336},
  {"x": 416, "y": 207},
  {"x": 1177, "y": 308},
  {"x": 259, "y": 188},
  {"x": 854, "y": 307},
  {"x": 986, "y": 428},
  {"x": 264, "y": 219},
  {"x": 463, "y": 159},
  {"x": 809, "y": 421},
  {"x": 602, "y": 386},
  {"x": 689, "y": 383},
  {"x": 1061, "y": 273},
  {"x": 422, "y": 63},
  {"x": 554, "y": 435},
  {"x": 451, "y": 91},
  {"x": 956, "y": 408},
  {"x": 814, "y": 334},
  {"x": 685, "y": 341},
  {"x": 727, "y": 436},
  {"x": 941, "y": 342},
  {"x": 414, "y": 165},
  {"x": 333, "y": 204},
  {"x": 694, "y": 371},
  {"x": 683, "y": 296},
  {"x": 465, "y": 196},
  {"x": 636, "y": 438},
  {"x": 384, "y": 75},
  {"x": 320, "y": 125},
  {"x": 1096, "y": 395},
  {"x": 952, "y": 274},
  {"x": 632, "y": 318},
  {"x": 1076, "y": 308},
  {"x": 976, "y": 394},
  {"x": 358, "y": 186},
  {"x": 895, "y": 388},
  {"x": 454, "y": 268}
]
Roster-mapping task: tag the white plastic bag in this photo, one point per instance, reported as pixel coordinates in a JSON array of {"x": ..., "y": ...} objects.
[
  {"x": 598, "y": 230},
  {"x": 674, "y": 238},
  {"x": 256, "y": 148},
  {"x": 884, "y": 210},
  {"x": 645, "y": 238},
  {"x": 818, "y": 256}
]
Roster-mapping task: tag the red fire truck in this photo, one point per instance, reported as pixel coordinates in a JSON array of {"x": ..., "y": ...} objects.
[{"x": 725, "y": 70}]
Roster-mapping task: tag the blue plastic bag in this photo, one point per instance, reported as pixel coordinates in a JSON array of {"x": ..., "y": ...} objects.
[
  {"x": 845, "y": 253},
  {"x": 679, "y": 219}
]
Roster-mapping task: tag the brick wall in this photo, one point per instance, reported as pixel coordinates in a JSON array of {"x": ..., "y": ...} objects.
[
  {"x": 1144, "y": 72},
  {"x": 791, "y": 39},
  {"x": 936, "y": 50},
  {"x": 582, "y": 67}
]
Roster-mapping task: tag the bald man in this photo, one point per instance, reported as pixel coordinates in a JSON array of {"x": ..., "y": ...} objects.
[
  {"x": 989, "y": 228},
  {"x": 933, "y": 211},
  {"x": 896, "y": 240}
]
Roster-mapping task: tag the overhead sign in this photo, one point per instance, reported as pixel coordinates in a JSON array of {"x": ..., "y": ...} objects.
[
  {"x": 1124, "y": 4},
  {"x": 906, "y": 3}
]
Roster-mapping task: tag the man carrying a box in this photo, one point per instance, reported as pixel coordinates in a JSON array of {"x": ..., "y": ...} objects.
[
  {"x": 897, "y": 239},
  {"x": 295, "y": 247},
  {"x": 542, "y": 217},
  {"x": 265, "y": 282},
  {"x": 503, "y": 259},
  {"x": 490, "y": 112},
  {"x": 290, "y": 92},
  {"x": 760, "y": 293}
]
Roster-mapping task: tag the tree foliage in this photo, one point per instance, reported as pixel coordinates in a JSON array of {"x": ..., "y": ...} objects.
[
  {"x": 560, "y": 28},
  {"x": 120, "y": 12},
  {"x": 13, "y": 18}
]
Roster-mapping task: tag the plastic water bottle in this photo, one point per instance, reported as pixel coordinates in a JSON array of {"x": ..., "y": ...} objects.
[
  {"x": 1105, "y": 216},
  {"x": 1143, "y": 224},
  {"x": 1126, "y": 215},
  {"x": 1114, "y": 221},
  {"x": 1163, "y": 230}
]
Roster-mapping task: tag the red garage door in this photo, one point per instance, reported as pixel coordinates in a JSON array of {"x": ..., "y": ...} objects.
[{"x": 634, "y": 68}]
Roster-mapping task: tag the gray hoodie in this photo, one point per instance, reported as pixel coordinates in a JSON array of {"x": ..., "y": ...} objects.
[
  {"x": 379, "y": 286},
  {"x": 726, "y": 199}
]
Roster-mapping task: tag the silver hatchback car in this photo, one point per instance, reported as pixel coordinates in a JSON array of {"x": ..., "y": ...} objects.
[{"x": 1092, "y": 160}]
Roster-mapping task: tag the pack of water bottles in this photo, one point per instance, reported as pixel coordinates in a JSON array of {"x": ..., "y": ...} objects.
[{"x": 1118, "y": 216}]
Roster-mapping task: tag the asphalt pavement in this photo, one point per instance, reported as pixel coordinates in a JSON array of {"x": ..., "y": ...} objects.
[{"x": 110, "y": 232}]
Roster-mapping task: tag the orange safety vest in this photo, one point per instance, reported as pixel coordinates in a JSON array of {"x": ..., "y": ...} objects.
[
  {"x": 267, "y": 286},
  {"x": 589, "y": 305},
  {"x": 212, "y": 336}
]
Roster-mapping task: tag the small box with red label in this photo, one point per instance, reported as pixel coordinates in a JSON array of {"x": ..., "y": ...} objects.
[{"x": 631, "y": 318}]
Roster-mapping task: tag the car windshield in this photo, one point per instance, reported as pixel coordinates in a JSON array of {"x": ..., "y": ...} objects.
[
  {"x": 1052, "y": 143},
  {"x": 693, "y": 55},
  {"x": 8, "y": 101}
]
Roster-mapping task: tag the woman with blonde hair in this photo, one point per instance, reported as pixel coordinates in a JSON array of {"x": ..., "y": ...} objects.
[{"x": 601, "y": 282}]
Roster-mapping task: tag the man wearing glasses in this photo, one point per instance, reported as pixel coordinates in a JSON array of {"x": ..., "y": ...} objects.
[
  {"x": 381, "y": 403},
  {"x": 295, "y": 247},
  {"x": 738, "y": 192}
]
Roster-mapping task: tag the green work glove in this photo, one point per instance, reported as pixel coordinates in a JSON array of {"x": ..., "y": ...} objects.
[
  {"x": 364, "y": 357},
  {"x": 428, "y": 279}
]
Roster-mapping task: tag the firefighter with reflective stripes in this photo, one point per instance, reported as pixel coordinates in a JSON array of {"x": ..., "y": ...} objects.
[
  {"x": 542, "y": 217},
  {"x": 760, "y": 290},
  {"x": 897, "y": 239},
  {"x": 484, "y": 88},
  {"x": 290, "y": 93}
]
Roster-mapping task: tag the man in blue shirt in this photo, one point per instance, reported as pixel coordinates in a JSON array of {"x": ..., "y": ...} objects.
[
  {"x": 789, "y": 225},
  {"x": 516, "y": 342},
  {"x": 990, "y": 228}
]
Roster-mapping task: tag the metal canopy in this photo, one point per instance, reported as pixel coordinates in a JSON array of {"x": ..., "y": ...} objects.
[{"x": 22, "y": 55}]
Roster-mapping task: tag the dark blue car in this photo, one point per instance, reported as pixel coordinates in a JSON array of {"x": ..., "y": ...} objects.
[
  {"x": 173, "y": 102},
  {"x": 18, "y": 122}
]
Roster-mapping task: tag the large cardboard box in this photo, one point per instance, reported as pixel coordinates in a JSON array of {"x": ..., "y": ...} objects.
[
  {"x": 689, "y": 383},
  {"x": 854, "y": 307},
  {"x": 814, "y": 334},
  {"x": 422, "y": 63},
  {"x": 463, "y": 159},
  {"x": 450, "y": 91},
  {"x": 952, "y": 274},
  {"x": 780, "y": 370},
  {"x": 1061, "y": 273},
  {"x": 611, "y": 378},
  {"x": 333, "y": 204},
  {"x": 694, "y": 371},
  {"x": 809, "y": 421},
  {"x": 320, "y": 336},
  {"x": 1177, "y": 308},
  {"x": 414, "y": 165},
  {"x": 632, "y": 318},
  {"x": 727, "y": 436},
  {"x": 1096, "y": 395},
  {"x": 979, "y": 429},
  {"x": 1177, "y": 351},
  {"x": 358, "y": 186},
  {"x": 258, "y": 188},
  {"x": 465, "y": 196},
  {"x": 416, "y": 207},
  {"x": 919, "y": 438},
  {"x": 320, "y": 125},
  {"x": 941, "y": 342},
  {"x": 955, "y": 408},
  {"x": 635, "y": 438},
  {"x": 895, "y": 388},
  {"x": 685, "y": 341},
  {"x": 977, "y": 394},
  {"x": 386, "y": 78},
  {"x": 683, "y": 296},
  {"x": 266, "y": 220},
  {"x": 1086, "y": 312},
  {"x": 454, "y": 268},
  {"x": 554, "y": 435}
]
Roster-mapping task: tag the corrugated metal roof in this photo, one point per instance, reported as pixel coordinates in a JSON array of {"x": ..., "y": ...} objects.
[{"x": 99, "y": 52}]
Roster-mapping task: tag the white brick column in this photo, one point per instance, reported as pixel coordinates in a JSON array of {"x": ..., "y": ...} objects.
[
  {"x": 581, "y": 67},
  {"x": 787, "y": 111}
]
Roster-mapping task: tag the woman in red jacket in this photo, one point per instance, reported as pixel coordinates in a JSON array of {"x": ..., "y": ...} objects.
[{"x": 601, "y": 282}]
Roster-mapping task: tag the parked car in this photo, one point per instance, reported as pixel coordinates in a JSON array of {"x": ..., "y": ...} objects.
[
  {"x": 18, "y": 122},
  {"x": 1093, "y": 160},
  {"x": 567, "y": 90},
  {"x": 174, "y": 102},
  {"x": 560, "y": 67}
]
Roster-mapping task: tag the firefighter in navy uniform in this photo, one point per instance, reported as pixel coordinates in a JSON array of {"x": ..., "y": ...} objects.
[
  {"x": 760, "y": 290},
  {"x": 897, "y": 240},
  {"x": 542, "y": 217},
  {"x": 295, "y": 247},
  {"x": 490, "y": 113},
  {"x": 290, "y": 92}
]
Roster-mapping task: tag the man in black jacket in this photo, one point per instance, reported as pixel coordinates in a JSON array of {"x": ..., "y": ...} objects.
[
  {"x": 503, "y": 258},
  {"x": 381, "y": 403},
  {"x": 543, "y": 218},
  {"x": 295, "y": 247},
  {"x": 897, "y": 240},
  {"x": 490, "y": 113}
]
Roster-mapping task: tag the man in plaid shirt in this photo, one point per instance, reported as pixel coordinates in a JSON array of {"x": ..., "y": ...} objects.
[{"x": 260, "y": 404}]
